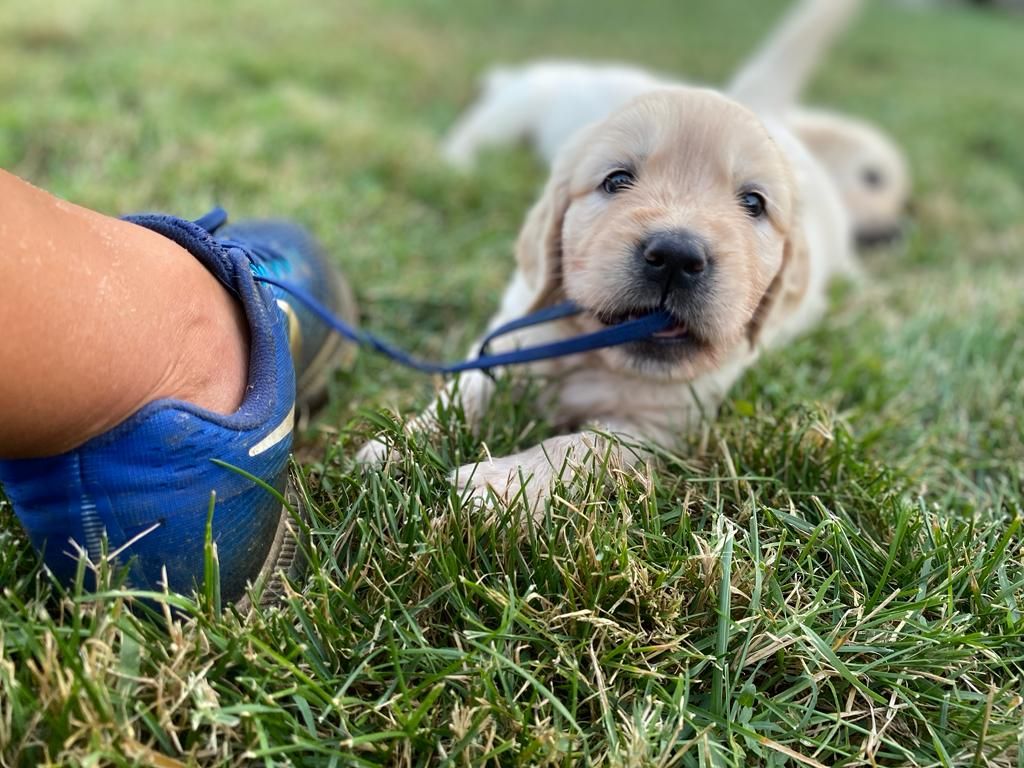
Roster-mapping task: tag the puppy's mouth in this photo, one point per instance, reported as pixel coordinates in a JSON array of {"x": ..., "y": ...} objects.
[
  {"x": 668, "y": 345},
  {"x": 675, "y": 332},
  {"x": 879, "y": 237}
]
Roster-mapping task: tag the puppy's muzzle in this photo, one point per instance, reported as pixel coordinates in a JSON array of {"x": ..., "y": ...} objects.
[{"x": 677, "y": 260}]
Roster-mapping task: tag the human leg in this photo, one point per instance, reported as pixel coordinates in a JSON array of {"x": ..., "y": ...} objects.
[
  {"x": 103, "y": 316},
  {"x": 145, "y": 483}
]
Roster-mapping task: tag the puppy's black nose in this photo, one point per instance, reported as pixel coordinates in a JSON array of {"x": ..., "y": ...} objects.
[{"x": 674, "y": 259}]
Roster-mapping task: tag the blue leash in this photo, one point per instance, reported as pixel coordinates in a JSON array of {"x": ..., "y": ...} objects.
[
  {"x": 613, "y": 336},
  {"x": 631, "y": 330}
]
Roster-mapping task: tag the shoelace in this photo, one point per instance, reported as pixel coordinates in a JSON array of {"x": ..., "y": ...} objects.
[
  {"x": 612, "y": 336},
  {"x": 260, "y": 257}
]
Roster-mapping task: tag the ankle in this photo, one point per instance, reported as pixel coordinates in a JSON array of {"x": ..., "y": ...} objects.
[{"x": 211, "y": 366}]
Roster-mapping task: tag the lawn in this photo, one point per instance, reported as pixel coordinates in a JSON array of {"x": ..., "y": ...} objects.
[{"x": 831, "y": 574}]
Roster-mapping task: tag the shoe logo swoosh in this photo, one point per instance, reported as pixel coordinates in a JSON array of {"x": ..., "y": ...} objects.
[
  {"x": 279, "y": 433},
  {"x": 294, "y": 330}
]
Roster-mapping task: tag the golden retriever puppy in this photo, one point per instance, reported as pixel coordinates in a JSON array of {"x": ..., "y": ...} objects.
[
  {"x": 682, "y": 200},
  {"x": 546, "y": 102}
]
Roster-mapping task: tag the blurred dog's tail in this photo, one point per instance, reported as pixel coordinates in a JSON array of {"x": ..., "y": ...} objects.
[{"x": 775, "y": 76}]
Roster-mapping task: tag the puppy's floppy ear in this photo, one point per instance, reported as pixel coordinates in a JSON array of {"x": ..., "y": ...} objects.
[
  {"x": 539, "y": 247},
  {"x": 788, "y": 286}
]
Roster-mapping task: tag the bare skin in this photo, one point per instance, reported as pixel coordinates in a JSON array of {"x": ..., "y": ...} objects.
[{"x": 99, "y": 317}]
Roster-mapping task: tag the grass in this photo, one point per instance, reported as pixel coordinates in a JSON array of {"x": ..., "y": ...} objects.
[{"x": 831, "y": 574}]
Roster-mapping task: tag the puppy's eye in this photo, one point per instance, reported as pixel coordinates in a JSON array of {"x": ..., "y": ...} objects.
[
  {"x": 873, "y": 177},
  {"x": 616, "y": 181},
  {"x": 753, "y": 203}
]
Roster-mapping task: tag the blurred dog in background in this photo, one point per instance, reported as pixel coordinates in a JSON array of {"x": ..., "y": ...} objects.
[{"x": 547, "y": 102}]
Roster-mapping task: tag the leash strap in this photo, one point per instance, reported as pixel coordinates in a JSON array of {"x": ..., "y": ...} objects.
[
  {"x": 546, "y": 315},
  {"x": 624, "y": 333}
]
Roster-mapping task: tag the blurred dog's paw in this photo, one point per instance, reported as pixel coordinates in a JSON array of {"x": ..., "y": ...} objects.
[{"x": 377, "y": 453}]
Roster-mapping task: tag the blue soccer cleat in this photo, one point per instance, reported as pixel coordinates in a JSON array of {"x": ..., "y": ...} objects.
[
  {"x": 146, "y": 484},
  {"x": 282, "y": 250}
]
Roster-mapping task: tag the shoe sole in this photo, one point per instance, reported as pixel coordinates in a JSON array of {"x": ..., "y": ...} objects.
[{"x": 285, "y": 560}]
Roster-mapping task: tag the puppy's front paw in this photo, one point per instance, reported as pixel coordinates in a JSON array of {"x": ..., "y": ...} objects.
[
  {"x": 376, "y": 453},
  {"x": 503, "y": 481}
]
